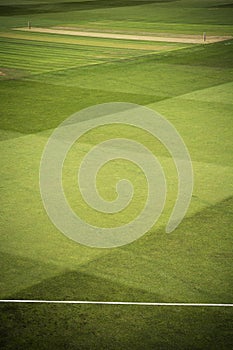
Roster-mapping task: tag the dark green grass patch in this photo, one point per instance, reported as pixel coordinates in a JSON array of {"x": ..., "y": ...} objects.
[
  {"x": 114, "y": 327},
  {"x": 212, "y": 55},
  {"x": 68, "y": 6},
  {"x": 148, "y": 16},
  {"x": 230, "y": 5},
  {"x": 45, "y": 106}
]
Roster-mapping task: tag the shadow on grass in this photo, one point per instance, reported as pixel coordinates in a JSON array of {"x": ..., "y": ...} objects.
[
  {"x": 94, "y": 327},
  {"x": 26, "y": 9},
  {"x": 82, "y": 286},
  {"x": 206, "y": 235},
  {"x": 223, "y": 6}
]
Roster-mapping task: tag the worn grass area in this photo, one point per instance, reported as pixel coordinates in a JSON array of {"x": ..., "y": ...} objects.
[
  {"x": 152, "y": 37},
  {"x": 45, "y": 79}
]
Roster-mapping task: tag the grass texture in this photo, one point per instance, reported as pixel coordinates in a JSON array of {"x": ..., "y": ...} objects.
[{"x": 46, "y": 78}]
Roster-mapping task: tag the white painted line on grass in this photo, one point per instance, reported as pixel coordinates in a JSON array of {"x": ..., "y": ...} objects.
[{"x": 113, "y": 303}]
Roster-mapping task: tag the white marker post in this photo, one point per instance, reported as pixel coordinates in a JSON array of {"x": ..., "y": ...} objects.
[{"x": 204, "y": 37}]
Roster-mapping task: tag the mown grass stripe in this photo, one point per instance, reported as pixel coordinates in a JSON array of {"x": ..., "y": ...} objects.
[
  {"x": 91, "y": 42},
  {"x": 45, "y": 70},
  {"x": 42, "y": 58},
  {"x": 74, "y": 52},
  {"x": 54, "y": 56}
]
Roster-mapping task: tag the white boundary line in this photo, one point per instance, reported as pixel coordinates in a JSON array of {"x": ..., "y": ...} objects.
[{"x": 113, "y": 303}]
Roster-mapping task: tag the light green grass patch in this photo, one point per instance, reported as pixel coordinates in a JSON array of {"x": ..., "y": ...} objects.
[
  {"x": 222, "y": 93},
  {"x": 208, "y": 138},
  {"x": 24, "y": 215}
]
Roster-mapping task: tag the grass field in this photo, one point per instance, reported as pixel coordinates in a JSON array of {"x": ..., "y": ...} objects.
[{"x": 44, "y": 79}]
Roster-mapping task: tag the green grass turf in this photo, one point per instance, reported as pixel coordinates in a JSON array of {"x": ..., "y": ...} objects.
[
  {"x": 47, "y": 54},
  {"x": 40, "y": 57},
  {"x": 190, "y": 17},
  {"x": 47, "y": 81}
]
